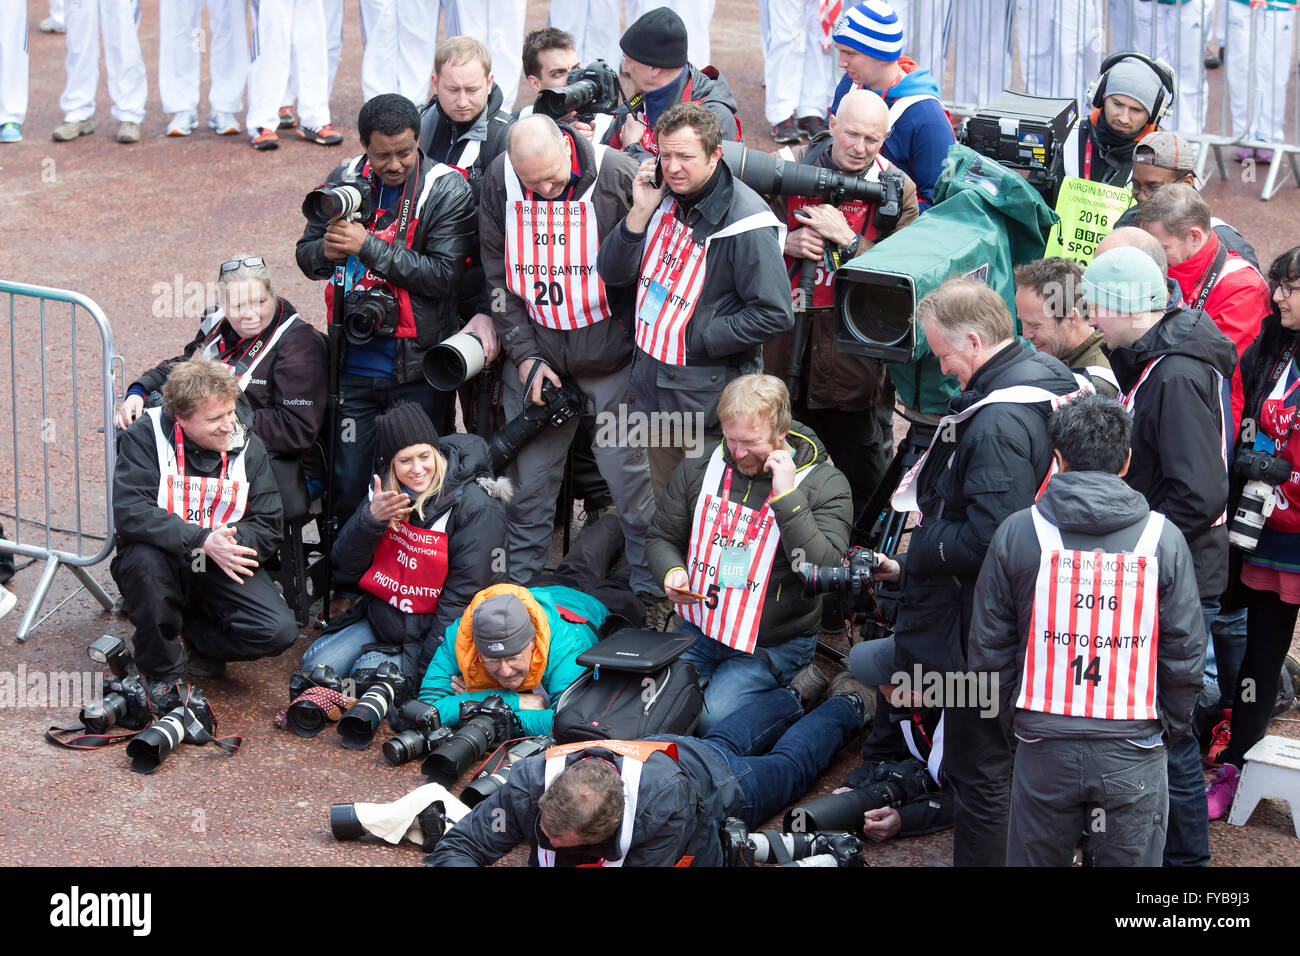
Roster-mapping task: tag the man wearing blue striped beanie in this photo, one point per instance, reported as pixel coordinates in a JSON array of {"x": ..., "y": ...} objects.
[{"x": 869, "y": 38}]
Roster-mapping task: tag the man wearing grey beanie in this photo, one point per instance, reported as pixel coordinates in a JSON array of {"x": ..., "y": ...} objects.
[
  {"x": 1128, "y": 102},
  {"x": 1172, "y": 368}
]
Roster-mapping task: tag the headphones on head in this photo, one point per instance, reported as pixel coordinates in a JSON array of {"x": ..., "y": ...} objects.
[{"x": 1164, "y": 72}]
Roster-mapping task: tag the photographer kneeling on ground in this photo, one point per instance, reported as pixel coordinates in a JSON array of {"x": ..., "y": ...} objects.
[
  {"x": 195, "y": 509},
  {"x": 659, "y": 801},
  {"x": 1090, "y": 558},
  {"x": 726, "y": 538},
  {"x": 431, "y": 536},
  {"x": 523, "y": 643}
]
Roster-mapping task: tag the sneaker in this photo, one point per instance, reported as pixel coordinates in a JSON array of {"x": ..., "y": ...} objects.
[
  {"x": 326, "y": 135},
  {"x": 67, "y": 132},
  {"x": 812, "y": 125},
  {"x": 288, "y": 118},
  {"x": 183, "y": 123},
  {"x": 1221, "y": 790},
  {"x": 11, "y": 133},
  {"x": 51, "y": 25},
  {"x": 128, "y": 132},
  {"x": 266, "y": 139},
  {"x": 7, "y": 601},
  {"x": 786, "y": 131},
  {"x": 1264, "y": 155},
  {"x": 810, "y": 684},
  {"x": 1243, "y": 153},
  {"x": 658, "y": 611},
  {"x": 223, "y": 123},
  {"x": 863, "y": 697},
  {"x": 1220, "y": 737}
]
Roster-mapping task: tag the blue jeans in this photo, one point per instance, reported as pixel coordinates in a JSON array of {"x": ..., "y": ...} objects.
[
  {"x": 1187, "y": 842},
  {"x": 734, "y": 677},
  {"x": 776, "y": 752},
  {"x": 342, "y": 650},
  {"x": 1228, "y": 638},
  {"x": 361, "y": 401},
  {"x": 1210, "y": 610}
]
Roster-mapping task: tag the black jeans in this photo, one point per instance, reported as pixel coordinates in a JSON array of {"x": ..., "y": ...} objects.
[{"x": 1270, "y": 622}]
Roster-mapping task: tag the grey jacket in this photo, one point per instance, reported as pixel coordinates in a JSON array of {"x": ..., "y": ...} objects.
[
  {"x": 597, "y": 349},
  {"x": 1094, "y": 510},
  {"x": 744, "y": 302}
]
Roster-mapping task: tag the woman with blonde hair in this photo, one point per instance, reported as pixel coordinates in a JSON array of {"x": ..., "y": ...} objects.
[{"x": 431, "y": 536}]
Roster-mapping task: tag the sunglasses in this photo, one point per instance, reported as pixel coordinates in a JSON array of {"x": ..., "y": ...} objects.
[{"x": 230, "y": 265}]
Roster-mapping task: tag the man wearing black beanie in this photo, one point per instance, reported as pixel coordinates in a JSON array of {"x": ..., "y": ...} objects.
[{"x": 655, "y": 64}]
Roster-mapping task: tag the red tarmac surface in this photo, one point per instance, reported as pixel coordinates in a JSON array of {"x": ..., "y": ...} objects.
[{"x": 123, "y": 223}]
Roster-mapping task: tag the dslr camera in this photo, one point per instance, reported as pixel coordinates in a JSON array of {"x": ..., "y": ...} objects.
[
  {"x": 851, "y": 582},
  {"x": 352, "y": 198},
  {"x": 378, "y": 689},
  {"x": 769, "y": 176},
  {"x": 484, "y": 725},
  {"x": 369, "y": 314},
  {"x": 893, "y": 783},
  {"x": 421, "y": 732},
  {"x": 188, "y": 718},
  {"x": 740, "y": 848},
  {"x": 591, "y": 89},
  {"x": 126, "y": 701},
  {"x": 490, "y": 780},
  {"x": 1263, "y": 473},
  {"x": 305, "y": 717},
  {"x": 561, "y": 404}
]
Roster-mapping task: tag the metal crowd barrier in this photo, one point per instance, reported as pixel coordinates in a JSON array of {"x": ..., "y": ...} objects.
[
  {"x": 46, "y": 345},
  {"x": 977, "y": 48}
]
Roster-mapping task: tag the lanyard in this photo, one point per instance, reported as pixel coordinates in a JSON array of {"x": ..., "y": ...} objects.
[
  {"x": 180, "y": 453},
  {"x": 752, "y": 531},
  {"x": 1210, "y": 275},
  {"x": 1087, "y": 158}
]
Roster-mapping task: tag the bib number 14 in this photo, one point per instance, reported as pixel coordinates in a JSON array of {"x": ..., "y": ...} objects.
[{"x": 1090, "y": 673}]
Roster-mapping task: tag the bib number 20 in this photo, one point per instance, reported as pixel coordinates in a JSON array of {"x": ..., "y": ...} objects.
[{"x": 548, "y": 293}]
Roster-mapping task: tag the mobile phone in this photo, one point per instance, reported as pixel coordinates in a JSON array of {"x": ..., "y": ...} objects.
[{"x": 659, "y": 175}]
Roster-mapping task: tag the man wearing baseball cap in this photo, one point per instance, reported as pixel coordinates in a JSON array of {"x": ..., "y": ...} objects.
[
  {"x": 869, "y": 38},
  {"x": 655, "y": 66},
  {"x": 1171, "y": 367},
  {"x": 1163, "y": 157},
  {"x": 523, "y": 643}
]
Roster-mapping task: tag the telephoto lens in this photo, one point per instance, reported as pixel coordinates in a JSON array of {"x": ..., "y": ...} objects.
[
  {"x": 491, "y": 780},
  {"x": 834, "y": 811},
  {"x": 469, "y": 743},
  {"x": 150, "y": 747},
  {"x": 357, "y": 727}
]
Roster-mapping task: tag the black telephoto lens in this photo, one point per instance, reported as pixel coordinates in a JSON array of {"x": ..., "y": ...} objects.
[
  {"x": 357, "y": 727},
  {"x": 449, "y": 762},
  {"x": 405, "y": 747},
  {"x": 835, "y": 811}
]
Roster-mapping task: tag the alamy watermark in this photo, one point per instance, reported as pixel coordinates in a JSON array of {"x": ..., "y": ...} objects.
[
  {"x": 49, "y": 689},
  {"x": 638, "y": 429}
]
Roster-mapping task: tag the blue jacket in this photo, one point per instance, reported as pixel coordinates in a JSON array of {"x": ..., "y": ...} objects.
[{"x": 919, "y": 140}]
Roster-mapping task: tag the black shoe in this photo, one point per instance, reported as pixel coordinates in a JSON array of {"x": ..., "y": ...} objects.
[
  {"x": 812, "y": 125},
  {"x": 786, "y": 131},
  {"x": 200, "y": 666}
]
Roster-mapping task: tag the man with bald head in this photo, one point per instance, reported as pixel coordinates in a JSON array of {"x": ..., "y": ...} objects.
[
  {"x": 837, "y": 393},
  {"x": 547, "y": 203}
]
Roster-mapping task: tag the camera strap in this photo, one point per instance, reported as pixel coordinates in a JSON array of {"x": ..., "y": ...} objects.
[
  {"x": 331, "y": 703},
  {"x": 1211, "y": 275},
  {"x": 63, "y": 737}
]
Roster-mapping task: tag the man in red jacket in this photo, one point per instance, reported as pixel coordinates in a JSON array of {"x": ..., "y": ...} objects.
[{"x": 1210, "y": 275}]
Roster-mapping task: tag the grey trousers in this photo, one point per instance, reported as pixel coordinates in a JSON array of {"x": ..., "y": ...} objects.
[
  {"x": 538, "y": 471},
  {"x": 1114, "y": 791}
]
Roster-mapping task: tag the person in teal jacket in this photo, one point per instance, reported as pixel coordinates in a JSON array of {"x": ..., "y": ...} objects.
[{"x": 523, "y": 642}]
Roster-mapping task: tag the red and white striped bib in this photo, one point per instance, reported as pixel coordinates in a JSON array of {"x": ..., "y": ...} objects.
[
  {"x": 1091, "y": 647},
  {"x": 206, "y": 502},
  {"x": 551, "y": 255},
  {"x": 730, "y": 614},
  {"x": 673, "y": 267}
]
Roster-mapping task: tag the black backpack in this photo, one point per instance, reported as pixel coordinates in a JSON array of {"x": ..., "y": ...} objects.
[{"x": 635, "y": 686}]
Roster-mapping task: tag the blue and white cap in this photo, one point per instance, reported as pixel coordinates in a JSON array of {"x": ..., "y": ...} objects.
[{"x": 873, "y": 28}]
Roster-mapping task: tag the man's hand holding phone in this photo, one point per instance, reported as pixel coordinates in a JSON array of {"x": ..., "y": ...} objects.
[{"x": 647, "y": 193}]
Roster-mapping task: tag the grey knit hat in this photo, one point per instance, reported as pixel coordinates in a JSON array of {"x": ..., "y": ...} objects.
[
  {"x": 1134, "y": 78},
  {"x": 502, "y": 626}
]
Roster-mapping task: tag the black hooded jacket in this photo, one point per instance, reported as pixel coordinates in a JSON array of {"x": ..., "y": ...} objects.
[
  {"x": 476, "y": 535},
  {"x": 992, "y": 466},
  {"x": 1178, "y": 427}
]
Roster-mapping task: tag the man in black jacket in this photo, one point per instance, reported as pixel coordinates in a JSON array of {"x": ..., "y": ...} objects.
[
  {"x": 196, "y": 510},
  {"x": 988, "y": 460},
  {"x": 659, "y": 801},
  {"x": 546, "y": 204},
  {"x": 655, "y": 65},
  {"x": 1174, "y": 370},
  {"x": 465, "y": 126},
  {"x": 704, "y": 254},
  {"x": 1098, "y": 674},
  {"x": 411, "y": 250}
]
